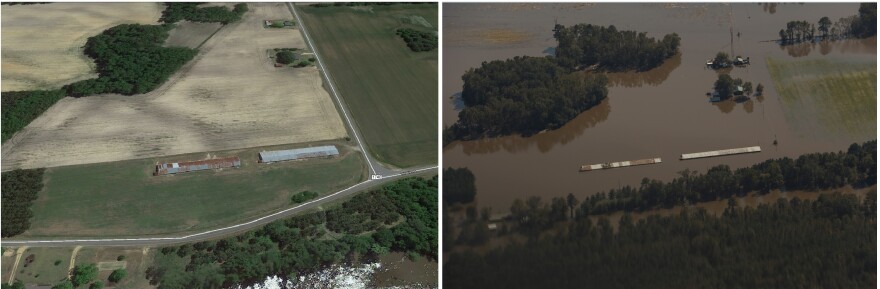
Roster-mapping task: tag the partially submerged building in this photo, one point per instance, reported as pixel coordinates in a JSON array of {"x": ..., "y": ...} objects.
[
  {"x": 298, "y": 154},
  {"x": 183, "y": 167}
]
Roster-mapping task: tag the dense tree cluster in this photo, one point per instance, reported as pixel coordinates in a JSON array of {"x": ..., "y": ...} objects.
[
  {"x": 524, "y": 95},
  {"x": 818, "y": 171},
  {"x": 117, "y": 275},
  {"x": 585, "y": 45},
  {"x": 726, "y": 86},
  {"x": 19, "y": 108},
  {"x": 303, "y": 196},
  {"x": 301, "y": 244},
  {"x": 866, "y": 24},
  {"x": 176, "y": 11},
  {"x": 458, "y": 186},
  {"x": 827, "y": 243},
  {"x": 862, "y": 25},
  {"x": 418, "y": 40},
  {"x": 19, "y": 189},
  {"x": 285, "y": 57},
  {"x": 131, "y": 60}
]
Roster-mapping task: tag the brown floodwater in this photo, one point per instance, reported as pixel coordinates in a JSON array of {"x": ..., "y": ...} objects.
[{"x": 659, "y": 113}]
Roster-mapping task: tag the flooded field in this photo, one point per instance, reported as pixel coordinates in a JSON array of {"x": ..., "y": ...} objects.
[{"x": 661, "y": 113}]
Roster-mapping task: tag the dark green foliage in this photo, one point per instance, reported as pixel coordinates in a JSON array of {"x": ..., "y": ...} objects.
[
  {"x": 285, "y": 57},
  {"x": 117, "y": 275},
  {"x": 19, "y": 189},
  {"x": 458, "y": 185},
  {"x": 365, "y": 212},
  {"x": 724, "y": 86},
  {"x": 827, "y": 243},
  {"x": 303, "y": 196},
  {"x": 176, "y": 11},
  {"x": 120, "y": 258},
  {"x": 15, "y": 285},
  {"x": 97, "y": 285},
  {"x": 819, "y": 171},
  {"x": 22, "y": 107},
  {"x": 84, "y": 274},
  {"x": 66, "y": 284},
  {"x": 131, "y": 60},
  {"x": 300, "y": 245},
  {"x": 866, "y": 23},
  {"x": 418, "y": 41},
  {"x": 524, "y": 95},
  {"x": 585, "y": 45}
]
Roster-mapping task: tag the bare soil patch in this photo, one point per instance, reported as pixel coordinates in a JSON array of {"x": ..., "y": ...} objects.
[
  {"x": 229, "y": 97},
  {"x": 42, "y": 44}
]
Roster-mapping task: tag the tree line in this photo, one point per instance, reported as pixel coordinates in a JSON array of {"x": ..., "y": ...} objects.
[
  {"x": 585, "y": 45},
  {"x": 862, "y": 25},
  {"x": 177, "y": 11},
  {"x": 19, "y": 108},
  {"x": 826, "y": 243},
  {"x": 524, "y": 95},
  {"x": 417, "y": 40},
  {"x": 406, "y": 212},
  {"x": 19, "y": 190}
]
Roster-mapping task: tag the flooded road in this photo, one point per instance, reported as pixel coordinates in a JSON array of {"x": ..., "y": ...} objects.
[{"x": 659, "y": 113}]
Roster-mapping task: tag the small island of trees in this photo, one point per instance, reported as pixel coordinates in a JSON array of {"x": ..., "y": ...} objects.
[{"x": 526, "y": 95}]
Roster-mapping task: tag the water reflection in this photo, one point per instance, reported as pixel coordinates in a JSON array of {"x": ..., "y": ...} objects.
[
  {"x": 725, "y": 106},
  {"x": 846, "y": 46},
  {"x": 544, "y": 141},
  {"x": 653, "y": 77}
]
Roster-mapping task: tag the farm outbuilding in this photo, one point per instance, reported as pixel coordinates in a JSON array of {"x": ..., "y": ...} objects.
[
  {"x": 298, "y": 154},
  {"x": 182, "y": 167}
]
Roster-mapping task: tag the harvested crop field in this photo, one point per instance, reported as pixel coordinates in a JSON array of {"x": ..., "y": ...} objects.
[
  {"x": 191, "y": 34},
  {"x": 832, "y": 97},
  {"x": 42, "y": 43},
  {"x": 229, "y": 97},
  {"x": 124, "y": 199},
  {"x": 391, "y": 90}
]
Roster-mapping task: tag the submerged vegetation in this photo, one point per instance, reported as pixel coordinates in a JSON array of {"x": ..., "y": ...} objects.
[
  {"x": 402, "y": 217},
  {"x": 862, "y": 25},
  {"x": 585, "y": 45},
  {"x": 524, "y": 95}
]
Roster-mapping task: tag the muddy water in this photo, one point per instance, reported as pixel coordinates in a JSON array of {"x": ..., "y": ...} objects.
[{"x": 660, "y": 113}]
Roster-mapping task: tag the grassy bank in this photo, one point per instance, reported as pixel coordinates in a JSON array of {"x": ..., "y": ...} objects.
[
  {"x": 391, "y": 90},
  {"x": 123, "y": 198}
]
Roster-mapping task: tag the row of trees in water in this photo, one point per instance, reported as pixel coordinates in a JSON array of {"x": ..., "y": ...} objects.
[
  {"x": 826, "y": 243},
  {"x": 862, "y": 25},
  {"x": 586, "y": 45},
  {"x": 525, "y": 95},
  {"x": 818, "y": 171},
  {"x": 404, "y": 212},
  {"x": 19, "y": 189}
]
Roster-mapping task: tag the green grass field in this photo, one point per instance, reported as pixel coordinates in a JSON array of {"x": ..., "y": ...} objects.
[
  {"x": 43, "y": 270},
  {"x": 392, "y": 91},
  {"x": 833, "y": 96},
  {"x": 123, "y": 198}
]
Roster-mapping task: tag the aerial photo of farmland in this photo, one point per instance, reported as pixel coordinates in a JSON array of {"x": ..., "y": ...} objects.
[
  {"x": 219, "y": 145},
  {"x": 663, "y": 145}
]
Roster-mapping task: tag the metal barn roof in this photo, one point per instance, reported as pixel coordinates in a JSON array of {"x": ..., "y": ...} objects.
[{"x": 296, "y": 154}]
